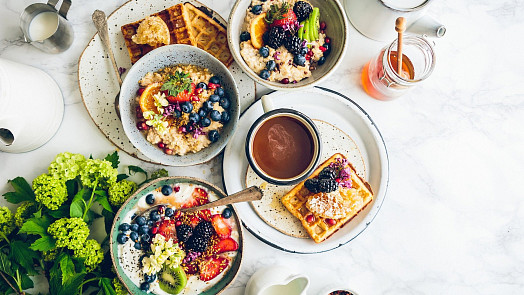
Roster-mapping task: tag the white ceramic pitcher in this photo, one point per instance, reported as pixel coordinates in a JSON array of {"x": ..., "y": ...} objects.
[
  {"x": 375, "y": 19},
  {"x": 31, "y": 107},
  {"x": 277, "y": 280}
]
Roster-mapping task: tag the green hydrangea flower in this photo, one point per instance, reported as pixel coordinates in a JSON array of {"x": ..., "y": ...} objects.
[
  {"x": 121, "y": 191},
  {"x": 101, "y": 170},
  {"x": 119, "y": 287},
  {"x": 24, "y": 211},
  {"x": 49, "y": 191},
  {"x": 50, "y": 255},
  {"x": 69, "y": 232},
  {"x": 91, "y": 252},
  {"x": 7, "y": 224},
  {"x": 66, "y": 165}
]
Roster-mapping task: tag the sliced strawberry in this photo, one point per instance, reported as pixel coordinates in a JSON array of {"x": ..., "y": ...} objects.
[
  {"x": 197, "y": 198},
  {"x": 195, "y": 221},
  {"x": 167, "y": 229},
  {"x": 204, "y": 214},
  {"x": 222, "y": 229},
  {"x": 212, "y": 267},
  {"x": 182, "y": 96},
  {"x": 191, "y": 268},
  {"x": 288, "y": 20},
  {"x": 225, "y": 245}
]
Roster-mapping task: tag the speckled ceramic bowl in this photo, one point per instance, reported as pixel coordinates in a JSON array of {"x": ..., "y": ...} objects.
[
  {"x": 160, "y": 58},
  {"x": 332, "y": 12}
]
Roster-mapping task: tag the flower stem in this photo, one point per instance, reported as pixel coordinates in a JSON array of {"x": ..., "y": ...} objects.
[
  {"x": 9, "y": 283},
  {"x": 90, "y": 200},
  {"x": 5, "y": 238}
]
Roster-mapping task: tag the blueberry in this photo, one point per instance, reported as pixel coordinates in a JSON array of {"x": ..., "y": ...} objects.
[
  {"x": 133, "y": 216},
  {"x": 220, "y": 92},
  {"x": 144, "y": 229},
  {"x": 215, "y": 79},
  {"x": 328, "y": 48},
  {"x": 213, "y": 135},
  {"x": 271, "y": 65},
  {"x": 177, "y": 114},
  {"x": 202, "y": 113},
  {"x": 133, "y": 236},
  {"x": 264, "y": 74},
  {"x": 225, "y": 117},
  {"x": 121, "y": 238},
  {"x": 150, "y": 199},
  {"x": 146, "y": 237},
  {"x": 145, "y": 246},
  {"x": 214, "y": 97},
  {"x": 124, "y": 227},
  {"x": 167, "y": 190},
  {"x": 257, "y": 9},
  {"x": 205, "y": 122},
  {"x": 299, "y": 60},
  {"x": 150, "y": 223},
  {"x": 202, "y": 85},
  {"x": 321, "y": 60},
  {"x": 169, "y": 212},
  {"x": 303, "y": 51},
  {"x": 186, "y": 107},
  {"x": 208, "y": 105},
  {"x": 140, "y": 220},
  {"x": 215, "y": 115},
  {"x": 144, "y": 286},
  {"x": 225, "y": 102},
  {"x": 194, "y": 118},
  {"x": 134, "y": 227},
  {"x": 244, "y": 36},
  {"x": 227, "y": 213},
  {"x": 154, "y": 215},
  {"x": 138, "y": 246},
  {"x": 264, "y": 51},
  {"x": 150, "y": 278}
]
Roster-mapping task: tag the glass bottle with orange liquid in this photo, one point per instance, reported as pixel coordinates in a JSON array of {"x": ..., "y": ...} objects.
[{"x": 380, "y": 78}]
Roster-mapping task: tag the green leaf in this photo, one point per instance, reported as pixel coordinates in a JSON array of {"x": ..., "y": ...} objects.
[
  {"x": 177, "y": 83},
  {"x": 102, "y": 200},
  {"x": 36, "y": 226},
  {"x": 5, "y": 264},
  {"x": 136, "y": 169},
  {"x": 21, "y": 253},
  {"x": 121, "y": 176},
  {"x": 67, "y": 267},
  {"x": 61, "y": 212},
  {"x": 45, "y": 243},
  {"x": 108, "y": 220},
  {"x": 107, "y": 286},
  {"x": 26, "y": 283},
  {"x": 78, "y": 205},
  {"x": 91, "y": 216},
  {"x": 113, "y": 158},
  {"x": 25, "y": 193},
  {"x": 71, "y": 186},
  {"x": 159, "y": 173}
]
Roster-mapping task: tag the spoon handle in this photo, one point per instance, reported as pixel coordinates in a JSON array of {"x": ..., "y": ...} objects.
[
  {"x": 100, "y": 21},
  {"x": 250, "y": 194}
]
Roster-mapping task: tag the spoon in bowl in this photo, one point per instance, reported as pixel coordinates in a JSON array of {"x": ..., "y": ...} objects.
[{"x": 100, "y": 21}]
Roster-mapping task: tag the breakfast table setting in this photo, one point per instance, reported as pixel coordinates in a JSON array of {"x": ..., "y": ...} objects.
[{"x": 331, "y": 146}]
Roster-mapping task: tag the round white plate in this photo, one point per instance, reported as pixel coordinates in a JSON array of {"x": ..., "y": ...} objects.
[
  {"x": 97, "y": 81},
  {"x": 339, "y": 110}
]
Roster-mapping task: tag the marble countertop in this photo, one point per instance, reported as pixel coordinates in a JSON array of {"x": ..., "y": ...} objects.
[{"x": 453, "y": 218}]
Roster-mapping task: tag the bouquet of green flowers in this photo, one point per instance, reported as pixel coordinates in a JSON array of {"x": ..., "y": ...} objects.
[{"x": 48, "y": 234}]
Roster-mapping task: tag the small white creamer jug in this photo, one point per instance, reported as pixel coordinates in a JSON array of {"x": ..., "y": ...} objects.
[
  {"x": 277, "y": 280},
  {"x": 31, "y": 107}
]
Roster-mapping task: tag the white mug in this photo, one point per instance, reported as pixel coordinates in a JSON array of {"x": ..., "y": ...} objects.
[{"x": 375, "y": 19}]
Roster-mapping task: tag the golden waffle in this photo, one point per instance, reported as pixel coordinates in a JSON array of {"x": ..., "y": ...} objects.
[
  {"x": 360, "y": 196},
  {"x": 209, "y": 34},
  {"x": 176, "y": 19}
]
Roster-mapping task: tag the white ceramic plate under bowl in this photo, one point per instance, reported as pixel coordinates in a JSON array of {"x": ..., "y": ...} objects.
[
  {"x": 97, "y": 81},
  {"x": 343, "y": 113}
]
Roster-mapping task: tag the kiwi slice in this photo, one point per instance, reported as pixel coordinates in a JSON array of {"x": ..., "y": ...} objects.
[{"x": 172, "y": 281}]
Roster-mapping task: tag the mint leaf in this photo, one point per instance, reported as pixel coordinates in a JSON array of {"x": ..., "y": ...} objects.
[
  {"x": 113, "y": 158},
  {"x": 67, "y": 267},
  {"x": 177, "y": 83},
  {"x": 45, "y": 243},
  {"x": 21, "y": 253},
  {"x": 36, "y": 226},
  {"x": 78, "y": 205}
]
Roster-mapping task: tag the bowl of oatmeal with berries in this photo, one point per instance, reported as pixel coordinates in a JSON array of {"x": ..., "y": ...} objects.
[
  {"x": 288, "y": 44},
  {"x": 179, "y": 105}
]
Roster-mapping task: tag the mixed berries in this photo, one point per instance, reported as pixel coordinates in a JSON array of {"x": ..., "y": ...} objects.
[{"x": 330, "y": 178}]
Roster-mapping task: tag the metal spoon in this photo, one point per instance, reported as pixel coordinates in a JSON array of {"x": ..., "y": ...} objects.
[{"x": 100, "y": 21}]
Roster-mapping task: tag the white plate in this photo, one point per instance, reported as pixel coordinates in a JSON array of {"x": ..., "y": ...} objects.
[
  {"x": 339, "y": 110},
  {"x": 97, "y": 81}
]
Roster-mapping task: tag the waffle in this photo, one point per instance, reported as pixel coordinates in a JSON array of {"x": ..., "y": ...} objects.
[
  {"x": 360, "y": 195},
  {"x": 176, "y": 19},
  {"x": 209, "y": 35}
]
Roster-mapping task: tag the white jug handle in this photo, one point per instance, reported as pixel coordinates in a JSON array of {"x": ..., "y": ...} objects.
[
  {"x": 428, "y": 26},
  {"x": 267, "y": 103}
]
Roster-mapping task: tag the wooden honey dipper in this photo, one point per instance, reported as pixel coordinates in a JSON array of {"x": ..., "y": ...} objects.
[{"x": 400, "y": 27}]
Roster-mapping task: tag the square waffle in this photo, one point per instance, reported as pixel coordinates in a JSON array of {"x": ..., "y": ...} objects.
[
  {"x": 360, "y": 195},
  {"x": 176, "y": 19},
  {"x": 209, "y": 35}
]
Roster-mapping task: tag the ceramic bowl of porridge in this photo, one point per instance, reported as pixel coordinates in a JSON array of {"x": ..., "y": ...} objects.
[
  {"x": 288, "y": 44},
  {"x": 179, "y": 105}
]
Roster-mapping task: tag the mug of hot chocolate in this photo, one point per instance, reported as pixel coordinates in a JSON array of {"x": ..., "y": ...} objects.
[{"x": 283, "y": 146}]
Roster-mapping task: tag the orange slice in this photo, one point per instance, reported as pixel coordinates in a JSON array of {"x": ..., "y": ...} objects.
[
  {"x": 147, "y": 101},
  {"x": 257, "y": 30}
]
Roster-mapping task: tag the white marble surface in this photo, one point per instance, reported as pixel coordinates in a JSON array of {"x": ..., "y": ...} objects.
[{"x": 453, "y": 219}]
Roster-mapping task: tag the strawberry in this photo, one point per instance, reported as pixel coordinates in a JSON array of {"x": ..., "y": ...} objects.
[
  {"x": 182, "y": 96},
  {"x": 204, "y": 214},
  {"x": 197, "y": 198},
  {"x": 195, "y": 221},
  {"x": 222, "y": 229},
  {"x": 191, "y": 268},
  {"x": 281, "y": 16},
  {"x": 212, "y": 267},
  {"x": 225, "y": 245},
  {"x": 167, "y": 229}
]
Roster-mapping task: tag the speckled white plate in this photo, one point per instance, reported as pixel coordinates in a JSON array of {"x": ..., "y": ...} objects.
[
  {"x": 97, "y": 81},
  {"x": 338, "y": 110}
]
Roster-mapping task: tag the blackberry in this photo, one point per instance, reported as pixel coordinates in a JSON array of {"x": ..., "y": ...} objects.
[
  {"x": 204, "y": 229},
  {"x": 196, "y": 243},
  {"x": 302, "y": 10},
  {"x": 312, "y": 185},
  {"x": 275, "y": 37},
  {"x": 293, "y": 44},
  {"x": 183, "y": 232},
  {"x": 327, "y": 173},
  {"x": 327, "y": 185}
]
